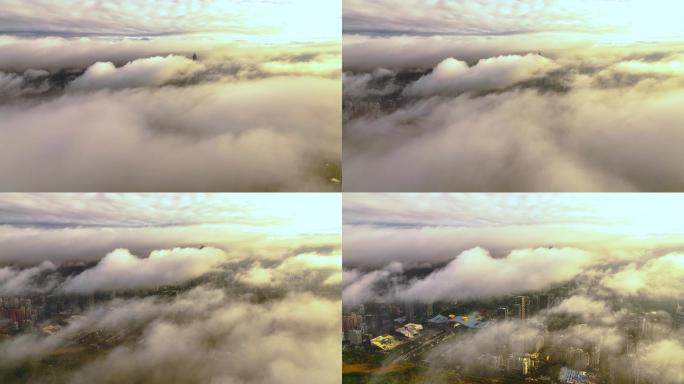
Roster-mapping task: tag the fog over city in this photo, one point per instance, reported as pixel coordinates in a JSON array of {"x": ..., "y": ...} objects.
[
  {"x": 173, "y": 96},
  {"x": 512, "y": 96},
  {"x": 589, "y": 283},
  {"x": 116, "y": 288}
]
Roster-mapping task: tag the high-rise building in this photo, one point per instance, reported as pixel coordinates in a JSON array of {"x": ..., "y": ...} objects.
[
  {"x": 502, "y": 313},
  {"x": 543, "y": 301},
  {"x": 679, "y": 315},
  {"x": 351, "y": 321},
  {"x": 524, "y": 303},
  {"x": 409, "y": 312},
  {"x": 355, "y": 337}
]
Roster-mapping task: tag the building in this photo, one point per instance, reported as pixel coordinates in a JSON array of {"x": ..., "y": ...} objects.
[
  {"x": 524, "y": 304},
  {"x": 410, "y": 330},
  {"x": 577, "y": 358},
  {"x": 679, "y": 315},
  {"x": 410, "y": 312},
  {"x": 385, "y": 342},
  {"x": 438, "y": 320},
  {"x": 544, "y": 302},
  {"x": 572, "y": 376},
  {"x": 502, "y": 313},
  {"x": 355, "y": 337},
  {"x": 351, "y": 321}
]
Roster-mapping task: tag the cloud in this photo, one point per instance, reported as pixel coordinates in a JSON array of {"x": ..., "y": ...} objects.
[
  {"x": 657, "y": 278},
  {"x": 31, "y": 82},
  {"x": 561, "y": 142},
  {"x": 456, "y": 121},
  {"x": 308, "y": 268},
  {"x": 258, "y": 20},
  {"x": 663, "y": 361},
  {"x": 359, "y": 85},
  {"x": 452, "y": 75},
  {"x": 476, "y": 274},
  {"x": 500, "y": 338},
  {"x": 206, "y": 137},
  {"x": 193, "y": 338},
  {"x": 39, "y": 227},
  {"x": 562, "y": 19},
  {"x": 301, "y": 348},
  {"x": 20, "y": 282},
  {"x": 206, "y": 122},
  {"x": 588, "y": 309},
  {"x": 359, "y": 287},
  {"x": 152, "y": 71},
  {"x": 463, "y": 18},
  {"x": 120, "y": 270}
]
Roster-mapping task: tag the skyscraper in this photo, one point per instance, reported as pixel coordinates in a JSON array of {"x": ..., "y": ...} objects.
[{"x": 524, "y": 302}]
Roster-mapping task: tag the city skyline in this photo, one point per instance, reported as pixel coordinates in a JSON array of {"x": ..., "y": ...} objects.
[{"x": 535, "y": 287}]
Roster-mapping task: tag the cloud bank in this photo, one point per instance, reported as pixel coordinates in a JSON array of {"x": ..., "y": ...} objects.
[
  {"x": 201, "y": 336},
  {"x": 577, "y": 102},
  {"x": 119, "y": 270},
  {"x": 520, "y": 271},
  {"x": 452, "y": 75},
  {"x": 137, "y": 113},
  {"x": 181, "y": 313}
]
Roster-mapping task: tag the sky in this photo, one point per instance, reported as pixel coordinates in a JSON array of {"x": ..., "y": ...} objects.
[
  {"x": 606, "y": 20},
  {"x": 39, "y": 227},
  {"x": 107, "y": 97},
  {"x": 512, "y": 96},
  {"x": 281, "y": 21},
  {"x": 529, "y": 241},
  {"x": 249, "y": 270}
]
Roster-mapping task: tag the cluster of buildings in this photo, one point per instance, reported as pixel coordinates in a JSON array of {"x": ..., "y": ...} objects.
[
  {"x": 411, "y": 329},
  {"x": 17, "y": 314},
  {"x": 27, "y": 313},
  {"x": 366, "y": 322}
]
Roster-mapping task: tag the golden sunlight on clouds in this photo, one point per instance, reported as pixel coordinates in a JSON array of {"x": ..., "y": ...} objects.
[
  {"x": 433, "y": 228},
  {"x": 636, "y": 21},
  {"x": 265, "y": 226}
]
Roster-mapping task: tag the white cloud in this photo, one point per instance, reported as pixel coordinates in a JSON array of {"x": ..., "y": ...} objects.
[
  {"x": 212, "y": 136},
  {"x": 120, "y": 270},
  {"x": 663, "y": 361},
  {"x": 18, "y": 282},
  {"x": 453, "y": 75},
  {"x": 152, "y": 71},
  {"x": 194, "y": 337},
  {"x": 657, "y": 278},
  {"x": 476, "y": 274},
  {"x": 319, "y": 269}
]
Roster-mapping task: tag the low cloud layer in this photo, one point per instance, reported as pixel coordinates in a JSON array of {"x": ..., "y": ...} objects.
[
  {"x": 120, "y": 270},
  {"x": 203, "y": 335},
  {"x": 511, "y": 114},
  {"x": 144, "y": 116},
  {"x": 182, "y": 313},
  {"x": 14, "y": 282},
  {"x": 436, "y": 247},
  {"x": 475, "y": 274},
  {"x": 310, "y": 269},
  {"x": 660, "y": 278},
  {"x": 658, "y": 360},
  {"x": 521, "y": 271},
  {"x": 153, "y": 71},
  {"x": 44, "y": 227},
  {"x": 454, "y": 76}
]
